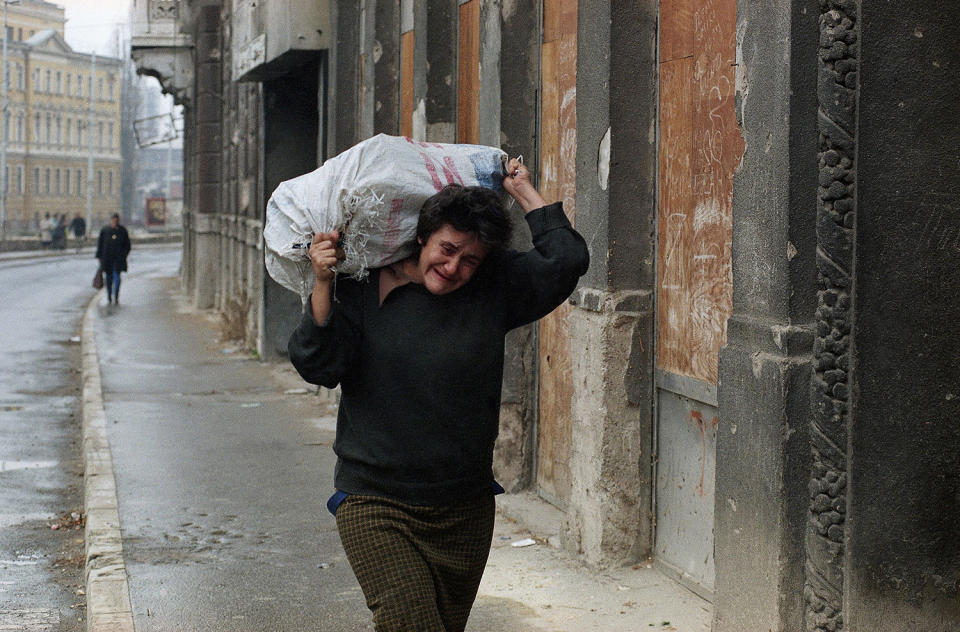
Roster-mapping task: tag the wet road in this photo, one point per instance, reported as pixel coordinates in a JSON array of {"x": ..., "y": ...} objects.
[{"x": 41, "y": 474}]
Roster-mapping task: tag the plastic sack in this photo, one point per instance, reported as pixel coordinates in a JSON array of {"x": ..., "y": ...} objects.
[{"x": 372, "y": 194}]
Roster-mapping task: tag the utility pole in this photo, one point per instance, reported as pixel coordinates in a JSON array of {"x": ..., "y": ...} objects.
[
  {"x": 4, "y": 125},
  {"x": 93, "y": 85}
]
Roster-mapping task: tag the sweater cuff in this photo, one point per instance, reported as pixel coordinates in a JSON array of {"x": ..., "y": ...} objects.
[
  {"x": 309, "y": 322},
  {"x": 547, "y": 218}
]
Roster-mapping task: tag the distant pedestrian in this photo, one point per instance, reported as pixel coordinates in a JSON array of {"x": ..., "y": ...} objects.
[
  {"x": 113, "y": 246},
  {"x": 59, "y": 233},
  {"x": 46, "y": 230},
  {"x": 79, "y": 229}
]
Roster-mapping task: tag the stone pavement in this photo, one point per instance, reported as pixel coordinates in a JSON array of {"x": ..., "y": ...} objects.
[{"x": 535, "y": 587}]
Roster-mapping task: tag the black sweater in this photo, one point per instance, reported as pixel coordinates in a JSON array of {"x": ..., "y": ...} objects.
[{"x": 420, "y": 375}]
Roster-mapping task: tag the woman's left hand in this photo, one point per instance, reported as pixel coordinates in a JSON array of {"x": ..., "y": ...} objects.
[{"x": 517, "y": 183}]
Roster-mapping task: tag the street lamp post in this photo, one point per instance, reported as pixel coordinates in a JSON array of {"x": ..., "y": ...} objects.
[
  {"x": 93, "y": 85},
  {"x": 4, "y": 125}
]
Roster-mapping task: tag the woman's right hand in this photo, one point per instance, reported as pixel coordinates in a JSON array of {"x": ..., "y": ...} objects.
[{"x": 323, "y": 255}]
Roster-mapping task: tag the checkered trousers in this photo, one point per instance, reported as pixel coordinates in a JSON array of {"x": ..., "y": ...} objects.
[{"x": 419, "y": 567}]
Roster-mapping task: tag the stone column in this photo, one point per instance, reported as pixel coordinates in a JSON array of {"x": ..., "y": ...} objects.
[
  {"x": 440, "y": 100},
  {"x": 901, "y": 570},
  {"x": 517, "y": 41},
  {"x": 344, "y": 97},
  {"x": 763, "y": 453},
  {"x": 609, "y": 518},
  {"x": 386, "y": 68},
  {"x": 207, "y": 154}
]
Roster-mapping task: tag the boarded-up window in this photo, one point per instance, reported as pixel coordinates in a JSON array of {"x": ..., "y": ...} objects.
[{"x": 700, "y": 146}]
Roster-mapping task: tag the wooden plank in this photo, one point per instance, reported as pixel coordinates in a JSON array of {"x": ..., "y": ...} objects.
[
  {"x": 406, "y": 83},
  {"x": 567, "y": 125},
  {"x": 468, "y": 73},
  {"x": 717, "y": 149},
  {"x": 558, "y": 138},
  {"x": 568, "y": 19},
  {"x": 676, "y": 29},
  {"x": 549, "y": 122},
  {"x": 555, "y": 398},
  {"x": 551, "y": 20},
  {"x": 674, "y": 225},
  {"x": 700, "y": 148}
]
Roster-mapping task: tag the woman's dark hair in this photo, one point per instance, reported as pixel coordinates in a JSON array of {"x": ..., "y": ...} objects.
[{"x": 475, "y": 210}]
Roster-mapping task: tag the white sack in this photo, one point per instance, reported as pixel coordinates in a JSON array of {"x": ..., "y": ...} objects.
[{"x": 372, "y": 193}]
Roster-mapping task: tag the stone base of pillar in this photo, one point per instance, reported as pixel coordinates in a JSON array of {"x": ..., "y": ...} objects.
[
  {"x": 609, "y": 518},
  {"x": 763, "y": 464},
  {"x": 206, "y": 260}
]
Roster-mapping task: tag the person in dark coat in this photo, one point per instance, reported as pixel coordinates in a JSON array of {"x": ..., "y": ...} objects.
[
  {"x": 59, "y": 236},
  {"x": 79, "y": 229},
  {"x": 113, "y": 246}
]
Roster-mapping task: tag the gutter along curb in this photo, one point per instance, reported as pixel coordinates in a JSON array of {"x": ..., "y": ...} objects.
[{"x": 108, "y": 593}]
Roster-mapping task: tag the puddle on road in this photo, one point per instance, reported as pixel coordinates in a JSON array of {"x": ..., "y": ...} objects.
[{"x": 9, "y": 466}]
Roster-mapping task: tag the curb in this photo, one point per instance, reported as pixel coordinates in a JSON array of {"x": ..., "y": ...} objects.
[{"x": 108, "y": 593}]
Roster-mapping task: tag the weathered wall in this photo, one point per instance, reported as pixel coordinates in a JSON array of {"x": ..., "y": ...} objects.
[
  {"x": 762, "y": 447},
  {"x": 903, "y": 564}
]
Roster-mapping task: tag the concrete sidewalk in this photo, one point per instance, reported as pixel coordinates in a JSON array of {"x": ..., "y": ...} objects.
[{"x": 535, "y": 587}]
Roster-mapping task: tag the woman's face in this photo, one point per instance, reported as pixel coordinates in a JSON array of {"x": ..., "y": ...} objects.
[{"x": 449, "y": 259}]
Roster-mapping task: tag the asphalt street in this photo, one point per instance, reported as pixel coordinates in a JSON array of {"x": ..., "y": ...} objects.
[{"x": 41, "y": 301}]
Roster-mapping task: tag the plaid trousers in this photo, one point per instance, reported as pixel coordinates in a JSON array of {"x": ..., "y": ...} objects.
[{"x": 419, "y": 567}]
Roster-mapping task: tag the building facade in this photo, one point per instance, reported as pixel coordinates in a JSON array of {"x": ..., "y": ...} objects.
[
  {"x": 63, "y": 107},
  {"x": 752, "y": 386}
]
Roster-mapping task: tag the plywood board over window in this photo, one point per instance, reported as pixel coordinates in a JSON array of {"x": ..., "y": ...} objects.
[
  {"x": 468, "y": 73},
  {"x": 700, "y": 147},
  {"x": 558, "y": 140}
]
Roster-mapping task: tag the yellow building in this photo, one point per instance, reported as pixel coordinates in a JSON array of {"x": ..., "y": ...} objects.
[{"x": 51, "y": 133}]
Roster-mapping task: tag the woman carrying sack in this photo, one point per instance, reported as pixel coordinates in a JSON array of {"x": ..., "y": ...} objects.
[{"x": 417, "y": 349}]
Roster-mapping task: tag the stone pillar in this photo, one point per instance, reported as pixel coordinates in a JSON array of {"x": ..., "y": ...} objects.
[
  {"x": 440, "y": 100},
  {"x": 609, "y": 518},
  {"x": 763, "y": 453},
  {"x": 386, "y": 68},
  {"x": 901, "y": 570},
  {"x": 207, "y": 157},
  {"x": 344, "y": 102},
  {"x": 518, "y": 40}
]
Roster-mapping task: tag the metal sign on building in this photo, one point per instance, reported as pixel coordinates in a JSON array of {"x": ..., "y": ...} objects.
[
  {"x": 269, "y": 43},
  {"x": 154, "y": 130}
]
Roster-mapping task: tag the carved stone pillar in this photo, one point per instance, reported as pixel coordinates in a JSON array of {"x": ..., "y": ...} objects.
[{"x": 830, "y": 384}]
